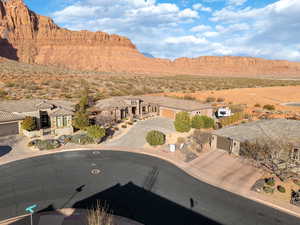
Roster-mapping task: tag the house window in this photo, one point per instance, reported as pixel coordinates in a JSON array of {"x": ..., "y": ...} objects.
[
  {"x": 65, "y": 121},
  {"x": 62, "y": 121},
  {"x": 59, "y": 121}
]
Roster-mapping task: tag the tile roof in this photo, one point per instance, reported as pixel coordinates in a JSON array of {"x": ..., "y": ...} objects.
[{"x": 8, "y": 117}]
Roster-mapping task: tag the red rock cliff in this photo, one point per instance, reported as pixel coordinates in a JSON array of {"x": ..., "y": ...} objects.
[{"x": 32, "y": 38}]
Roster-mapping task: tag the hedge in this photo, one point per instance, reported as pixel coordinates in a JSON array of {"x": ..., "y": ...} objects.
[{"x": 182, "y": 122}]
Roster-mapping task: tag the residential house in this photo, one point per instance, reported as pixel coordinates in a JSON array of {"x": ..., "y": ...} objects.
[
  {"x": 52, "y": 116},
  {"x": 143, "y": 106}
]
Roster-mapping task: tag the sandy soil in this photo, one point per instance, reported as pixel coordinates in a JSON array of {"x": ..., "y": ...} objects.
[{"x": 251, "y": 96}]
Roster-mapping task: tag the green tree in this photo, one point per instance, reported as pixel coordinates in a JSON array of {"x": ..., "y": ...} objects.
[
  {"x": 155, "y": 138},
  {"x": 29, "y": 123},
  {"x": 182, "y": 122},
  {"x": 197, "y": 122},
  {"x": 96, "y": 132},
  {"x": 81, "y": 120}
]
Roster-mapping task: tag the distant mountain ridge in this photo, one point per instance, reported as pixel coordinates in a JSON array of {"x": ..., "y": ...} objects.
[{"x": 28, "y": 37}]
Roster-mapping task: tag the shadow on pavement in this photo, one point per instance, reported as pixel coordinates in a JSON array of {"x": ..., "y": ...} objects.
[
  {"x": 136, "y": 203},
  {"x": 4, "y": 150}
]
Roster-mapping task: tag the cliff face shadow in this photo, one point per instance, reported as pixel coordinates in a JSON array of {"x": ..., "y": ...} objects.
[
  {"x": 143, "y": 206},
  {"x": 7, "y": 50}
]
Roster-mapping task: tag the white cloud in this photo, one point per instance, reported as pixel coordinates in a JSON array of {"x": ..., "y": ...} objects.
[
  {"x": 200, "y": 28},
  {"x": 186, "y": 39},
  {"x": 188, "y": 13},
  {"x": 200, "y": 7},
  {"x": 166, "y": 30}
]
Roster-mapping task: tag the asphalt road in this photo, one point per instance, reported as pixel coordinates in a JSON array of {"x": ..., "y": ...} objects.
[{"x": 143, "y": 188}]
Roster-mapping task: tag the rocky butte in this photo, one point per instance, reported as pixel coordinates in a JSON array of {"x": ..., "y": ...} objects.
[{"x": 28, "y": 37}]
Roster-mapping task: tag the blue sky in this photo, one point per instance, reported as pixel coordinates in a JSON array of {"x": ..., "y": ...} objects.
[{"x": 188, "y": 28}]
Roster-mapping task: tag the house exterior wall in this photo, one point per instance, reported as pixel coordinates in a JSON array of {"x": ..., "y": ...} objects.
[{"x": 203, "y": 112}]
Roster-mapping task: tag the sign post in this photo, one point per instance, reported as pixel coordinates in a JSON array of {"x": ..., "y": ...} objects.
[{"x": 31, "y": 211}]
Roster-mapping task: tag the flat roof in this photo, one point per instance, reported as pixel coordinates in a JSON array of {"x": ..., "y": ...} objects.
[
  {"x": 9, "y": 117},
  {"x": 181, "y": 104},
  {"x": 274, "y": 129},
  {"x": 31, "y": 105}
]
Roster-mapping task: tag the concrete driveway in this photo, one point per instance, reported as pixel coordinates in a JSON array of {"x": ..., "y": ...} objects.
[{"x": 136, "y": 135}]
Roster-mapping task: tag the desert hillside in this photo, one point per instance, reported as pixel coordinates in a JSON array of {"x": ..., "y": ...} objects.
[{"x": 28, "y": 37}]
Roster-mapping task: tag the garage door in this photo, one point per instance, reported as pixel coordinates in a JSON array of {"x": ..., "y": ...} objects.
[
  {"x": 9, "y": 129},
  {"x": 168, "y": 113},
  {"x": 224, "y": 143}
]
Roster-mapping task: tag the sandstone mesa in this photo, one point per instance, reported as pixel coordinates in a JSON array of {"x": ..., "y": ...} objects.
[{"x": 31, "y": 38}]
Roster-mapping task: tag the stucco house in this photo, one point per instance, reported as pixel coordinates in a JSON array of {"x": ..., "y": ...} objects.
[
  {"x": 52, "y": 116},
  {"x": 143, "y": 106},
  {"x": 231, "y": 138}
]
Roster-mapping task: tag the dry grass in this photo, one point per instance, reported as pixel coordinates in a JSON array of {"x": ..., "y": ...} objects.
[{"x": 100, "y": 215}]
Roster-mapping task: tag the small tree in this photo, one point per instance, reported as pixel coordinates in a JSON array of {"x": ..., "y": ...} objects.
[
  {"x": 96, "y": 132},
  {"x": 29, "y": 123},
  {"x": 197, "y": 122},
  {"x": 182, "y": 122},
  {"x": 81, "y": 120},
  {"x": 155, "y": 138}
]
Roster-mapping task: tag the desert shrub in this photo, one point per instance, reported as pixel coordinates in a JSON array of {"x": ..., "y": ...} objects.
[
  {"x": 182, "y": 122},
  {"x": 3, "y": 93},
  {"x": 81, "y": 120},
  {"x": 270, "y": 181},
  {"x": 220, "y": 99},
  {"x": 64, "y": 139},
  {"x": 95, "y": 132},
  {"x": 269, "y": 107},
  {"x": 82, "y": 139},
  {"x": 257, "y": 105},
  {"x": 268, "y": 190},
  {"x": 124, "y": 126},
  {"x": 155, "y": 138},
  {"x": 130, "y": 123},
  {"x": 10, "y": 84},
  {"x": 281, "y": 189},
  {"x": 180, "y": 140},
  {"x": 297, "y": 182},
  {"x": 48, "y": 144},
  {"x": 210, "y": 99},
  {"x": 189, "y": 97},
  {"x": 100, "y": 215},
  {"x": 34, "y": 143},
  {"x": 29, "y": 123}
]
